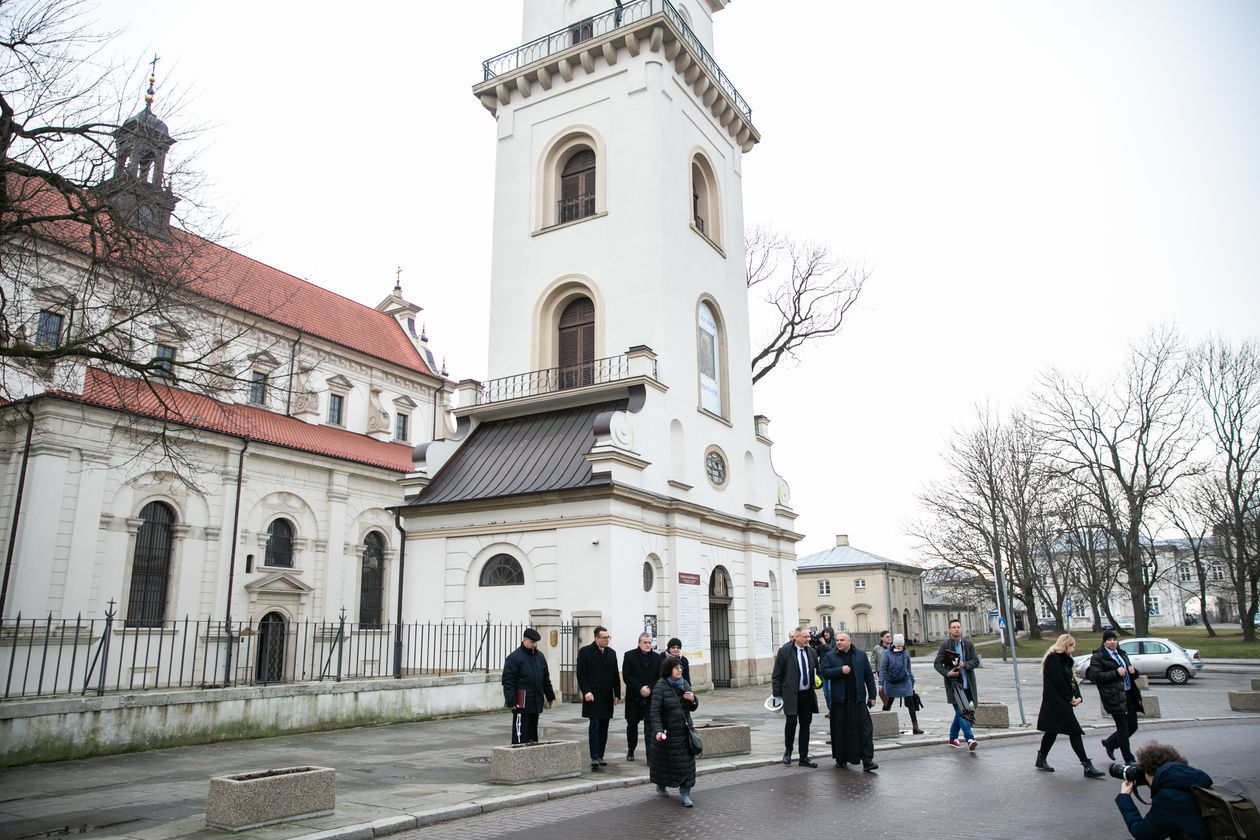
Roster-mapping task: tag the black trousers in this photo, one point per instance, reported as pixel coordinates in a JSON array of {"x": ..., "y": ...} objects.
[
  {"x": 636, "y": 714},
  {"x": 792, "y": 725},
  {"x": 1078, "y": 744},
  {"x": 524, "y": 727},
  {"x": 1126, "y": 725},
  {"x": 597, "y": 737}
]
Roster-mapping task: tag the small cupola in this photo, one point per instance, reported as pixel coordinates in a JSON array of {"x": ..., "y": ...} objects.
[{"x": 137, "y": 189}]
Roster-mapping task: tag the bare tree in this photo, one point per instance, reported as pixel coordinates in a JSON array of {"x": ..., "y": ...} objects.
[
  {"x": 987, "y": 518},
  {"x": 88, "y": 282},
  {"x": 808, "y": 290},
  {"x": 1125, "y": 446},
  {"x": 1192, "y": 511},
  {"x": 1229, "y": 383}
]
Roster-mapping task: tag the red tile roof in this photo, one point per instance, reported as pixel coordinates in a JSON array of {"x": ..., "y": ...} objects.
[
  {"x": 216, "y": 272},
  {"x": 189, "y": 409}
]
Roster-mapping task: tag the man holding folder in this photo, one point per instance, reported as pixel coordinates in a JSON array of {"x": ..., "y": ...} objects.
[{"x": 526, "y": 682}]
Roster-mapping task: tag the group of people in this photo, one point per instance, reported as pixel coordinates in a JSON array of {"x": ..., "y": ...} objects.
[{"x": 658, "y": 697}]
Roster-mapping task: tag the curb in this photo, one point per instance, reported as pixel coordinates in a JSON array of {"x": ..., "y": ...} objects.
[{"x": 420, "y": 819}]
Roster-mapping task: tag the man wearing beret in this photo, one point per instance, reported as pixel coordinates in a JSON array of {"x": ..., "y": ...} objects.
[{"x": 526, "y": 682}]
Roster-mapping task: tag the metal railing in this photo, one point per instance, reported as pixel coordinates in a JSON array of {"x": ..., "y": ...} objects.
[
  {"x": 550, "y": 380},
  {"x": 73, "y": 656},
  {"x": 575, "y": 207},
  {"x": 603, "y": 23}
]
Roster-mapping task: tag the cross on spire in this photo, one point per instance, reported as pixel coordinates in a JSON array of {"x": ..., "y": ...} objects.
[
  {"x": 398, "y": 280},
  {"x": 149, "y": 94}
]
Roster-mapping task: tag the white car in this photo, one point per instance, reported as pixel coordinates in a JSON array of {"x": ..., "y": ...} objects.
[{"x": 1154, "y": 658}]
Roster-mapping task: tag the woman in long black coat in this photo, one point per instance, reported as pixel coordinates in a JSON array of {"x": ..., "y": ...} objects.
[
  {"x": 1060, "y": 695},
  {"x": 671, "y": 761}
]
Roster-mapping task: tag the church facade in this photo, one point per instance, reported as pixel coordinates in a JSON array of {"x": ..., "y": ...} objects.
[{"x": 611, "y": 470}]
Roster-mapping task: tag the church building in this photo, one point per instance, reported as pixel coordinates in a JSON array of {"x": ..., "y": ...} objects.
[{"x": 610, "y": 470}]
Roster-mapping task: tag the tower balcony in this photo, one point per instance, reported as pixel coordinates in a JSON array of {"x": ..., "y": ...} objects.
[
  {"x": 559, "y": 387},
  {"x": 634, "y": 25}
]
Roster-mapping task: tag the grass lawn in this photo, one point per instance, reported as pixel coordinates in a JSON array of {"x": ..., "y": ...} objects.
[{"x": 1227, "y": 644}]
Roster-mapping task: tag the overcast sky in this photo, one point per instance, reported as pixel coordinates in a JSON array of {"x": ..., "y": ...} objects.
[{"x": 1030, "y": 184}]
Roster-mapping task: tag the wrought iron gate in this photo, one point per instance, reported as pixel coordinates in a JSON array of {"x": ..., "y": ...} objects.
[
  {"x": 570, "y": 641},
  {"x": 720, "y": 645}
]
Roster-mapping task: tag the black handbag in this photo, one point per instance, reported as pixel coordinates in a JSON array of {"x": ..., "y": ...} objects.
[
  {"x": 695, "y": 746},
  {"x": 914, "y": 702}
]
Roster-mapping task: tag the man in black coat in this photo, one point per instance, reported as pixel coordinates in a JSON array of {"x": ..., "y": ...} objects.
[
  {"x": 852, "y": 696},
  {"x": 795, "y": 666},
  {"x": 600, "y": 685},
  {"x": 1112, "y": 672},
  {"x": 526, "y": 682},
  {"x": 640, "y": 669}
]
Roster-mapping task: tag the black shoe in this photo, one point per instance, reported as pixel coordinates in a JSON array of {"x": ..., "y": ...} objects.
[
  {"x": 805, "y": 762},
  {"x": 594, "y": 763},
  {"x": 630, "y": 756},
  {"x": 602, "y": 763},
  {"x": 869, "y": 766},
  {"x": 1042, "y": 764},
  {"x": 1111, "y": 751},
  {"x": 1092, "y": 772},
  {"x": 840, "y": 763}
]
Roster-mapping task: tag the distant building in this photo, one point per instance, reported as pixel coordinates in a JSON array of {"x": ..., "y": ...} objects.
[{"x": 859, "y": 592}]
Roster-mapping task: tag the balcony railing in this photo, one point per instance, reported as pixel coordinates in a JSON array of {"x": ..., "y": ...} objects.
[
  {"x": 601, "y": 24},
  {"x": 575, "y": 207},
  {"x": 564, "y": 377}
]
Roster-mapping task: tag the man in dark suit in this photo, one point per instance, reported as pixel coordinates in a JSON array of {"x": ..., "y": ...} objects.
[
  {"x": 795, "y": 666},
  {"x": 852, "y": 695},
  {"x": 600, "y": 684},
  {"x": 640, "y": 669}
]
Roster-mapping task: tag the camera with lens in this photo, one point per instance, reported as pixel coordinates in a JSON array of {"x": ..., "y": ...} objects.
[{"x": 1127, "y": 773}]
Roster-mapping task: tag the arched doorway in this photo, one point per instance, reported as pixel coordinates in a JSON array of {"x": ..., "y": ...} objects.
[
  {"x": 270, "y": 662},
  {"x": 720, "y": 627}
]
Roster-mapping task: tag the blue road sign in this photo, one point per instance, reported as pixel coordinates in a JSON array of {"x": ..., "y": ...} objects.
[
  {"x": 1067, "y": 602},
  {"x": 1001, "y": 623}
]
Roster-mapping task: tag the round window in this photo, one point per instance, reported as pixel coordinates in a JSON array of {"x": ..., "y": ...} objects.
[{"x": 715, "y": 468}]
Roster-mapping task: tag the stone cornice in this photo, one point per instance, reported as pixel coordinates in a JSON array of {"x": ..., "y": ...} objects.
[{"x": 657, "y": 34}]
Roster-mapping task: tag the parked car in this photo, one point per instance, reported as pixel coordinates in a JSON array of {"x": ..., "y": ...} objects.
[
  {"x": 1160, "y": 658},
  {"x": 1124, "y": 625},
  {"x": 1048, "y": 624}
]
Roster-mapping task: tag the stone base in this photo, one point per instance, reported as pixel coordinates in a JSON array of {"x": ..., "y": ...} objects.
[
  {"x": 535, "y": 762},
  {"x": 1149, "y": 701},
  {"x": 248, "y": 800},
  {"x": 885, "y": 724},
  {"x": 1255, "y": 683},
  {"x": 993, "y": 715},
  {"x": 725, "y": 739},
  {"x": 1245, "y": 701}
]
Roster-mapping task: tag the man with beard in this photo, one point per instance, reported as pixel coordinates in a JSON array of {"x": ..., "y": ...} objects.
[
  {"x": 640, "y": 669},
  {"x": 852, "y": 695}
]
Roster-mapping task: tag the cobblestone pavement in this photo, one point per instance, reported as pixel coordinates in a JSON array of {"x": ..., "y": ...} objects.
[{"x": 1003, "y": 797}]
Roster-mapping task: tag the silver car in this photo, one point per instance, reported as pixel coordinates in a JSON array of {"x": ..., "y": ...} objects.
[{"x": 1154, "y": 658}]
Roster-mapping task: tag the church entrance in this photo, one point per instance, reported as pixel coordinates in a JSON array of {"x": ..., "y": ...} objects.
[
  {"x": 720, "y": 628},
  {"x": 270, "y": 665}
]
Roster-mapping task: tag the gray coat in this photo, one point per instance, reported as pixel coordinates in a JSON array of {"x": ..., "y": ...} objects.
[
  {"x": 887, "y": 662},
  {"x": 786, "y": 679},
  {"x": 969, "y": 663}
]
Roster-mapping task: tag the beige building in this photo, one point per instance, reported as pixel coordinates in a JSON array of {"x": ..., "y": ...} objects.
[{"x": 859, "y": 592}]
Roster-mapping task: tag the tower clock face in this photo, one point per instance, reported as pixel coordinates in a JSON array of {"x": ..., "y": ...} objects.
[{"x": 146, "y": 212}]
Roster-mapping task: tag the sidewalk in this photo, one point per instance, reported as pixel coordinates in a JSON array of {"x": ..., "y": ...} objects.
[{"x": 395, "y": 778}]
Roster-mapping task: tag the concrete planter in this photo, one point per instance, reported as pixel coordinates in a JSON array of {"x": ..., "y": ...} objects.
[
  {"x": 993, "y": 715},
  {"x": 248, "y": 800},
  {"x": 1149, "y": 701},
  {"x": 522, "y": 763},
  {"x": 1255, "y": 683},
  {"x": 885, "y": 724},
  {"x": 725, "y": 739},
  {"x": 1245, "y": 701}
]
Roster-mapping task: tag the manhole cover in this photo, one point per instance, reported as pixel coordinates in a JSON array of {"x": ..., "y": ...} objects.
[{"x": 478, "y": 759}]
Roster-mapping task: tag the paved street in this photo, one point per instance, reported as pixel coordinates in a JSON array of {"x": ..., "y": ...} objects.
[
  {"x": 1003, "y": 797},
  {"x": 414, "y": 773}
]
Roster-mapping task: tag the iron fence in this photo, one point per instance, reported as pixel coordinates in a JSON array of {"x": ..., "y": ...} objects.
[
  {"x": 51, "y": 656},
  {"x": 550, "y": 380},
  {"x": 602, "y": 23}
]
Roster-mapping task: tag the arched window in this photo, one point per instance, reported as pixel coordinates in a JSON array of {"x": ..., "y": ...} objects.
[
  {"x": 279, "y": 544},
  {"x": 577, "y": 187},
  {"x": 710, "y": 357},
  {"x": 502, "y": 570},
  {"x": 706, "y": 207},
  {"x": 577, "y": 344},
  {"x": 151, "y": 566},
  {"x": 372, "y": 581}
]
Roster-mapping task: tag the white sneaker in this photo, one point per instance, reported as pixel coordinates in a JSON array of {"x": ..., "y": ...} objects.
[{"x": 971, "y": 745}]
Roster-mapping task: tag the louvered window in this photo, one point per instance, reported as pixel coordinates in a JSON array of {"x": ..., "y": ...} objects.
[
  {"x": 577, "y": 187},
  {"x": 577, "y": 344}
]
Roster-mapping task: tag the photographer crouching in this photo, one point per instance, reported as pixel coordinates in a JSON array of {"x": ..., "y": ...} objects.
[{"x": 1173, "y": 812}]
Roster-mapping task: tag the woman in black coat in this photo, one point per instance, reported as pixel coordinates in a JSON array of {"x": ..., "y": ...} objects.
[
  {"x": 1060, "y": 695},
  {"x": 671, "y": 761}
]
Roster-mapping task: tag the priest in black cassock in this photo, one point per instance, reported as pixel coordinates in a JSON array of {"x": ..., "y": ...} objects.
[{"x": 852, "y": 696}]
